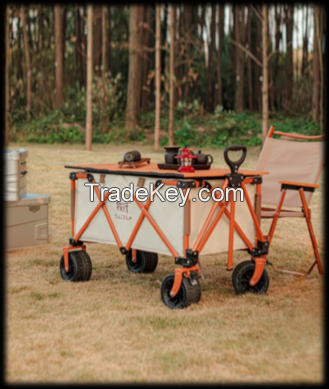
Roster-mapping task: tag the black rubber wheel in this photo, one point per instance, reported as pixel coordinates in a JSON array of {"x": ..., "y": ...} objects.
[
  {"x": 86, "y": 262},
  {"x": 145, "y": 262},
  {"x": 242, "y": 275},
  {"x": 80, "y": 267},
  {"x": 188, "y": 294}
]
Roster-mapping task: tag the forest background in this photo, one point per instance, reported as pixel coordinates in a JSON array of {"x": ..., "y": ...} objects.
[{"x": 110, "y": 73}]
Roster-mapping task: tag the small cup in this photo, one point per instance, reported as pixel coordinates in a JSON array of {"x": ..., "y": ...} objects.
[{"x": 170, "y": 154}]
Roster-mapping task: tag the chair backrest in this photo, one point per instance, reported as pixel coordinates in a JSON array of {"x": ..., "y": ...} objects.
[{"x": 290, "y": 161}]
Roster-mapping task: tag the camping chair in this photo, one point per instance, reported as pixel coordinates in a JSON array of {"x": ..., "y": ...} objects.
[{"x": 294, "y": 169}]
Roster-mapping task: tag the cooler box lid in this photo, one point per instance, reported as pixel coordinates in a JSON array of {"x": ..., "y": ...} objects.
[
  {"x": 29, "y": 199},
  {"x": 16, "y": 154}
]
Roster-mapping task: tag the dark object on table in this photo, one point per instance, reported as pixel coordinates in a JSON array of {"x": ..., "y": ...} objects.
[
  {"x": 203, "y": 159},
  {"x": 132, "y": 156},
  {"x": 175, "y": 167},
  {"x": 235, "y": 165},
  {"x": 134, "y": 164},
  {"x": 170, "y": 154}
]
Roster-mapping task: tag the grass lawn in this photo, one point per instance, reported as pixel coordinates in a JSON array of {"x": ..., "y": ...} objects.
[{"x": 115, "y": 327}]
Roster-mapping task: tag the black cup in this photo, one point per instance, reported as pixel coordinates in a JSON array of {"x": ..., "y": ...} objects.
[{"x": 170, "y": 154}]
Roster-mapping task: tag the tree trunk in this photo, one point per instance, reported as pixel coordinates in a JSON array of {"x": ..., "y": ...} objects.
[
  {"x": 77, "y": 45},
  {"x": 104, "y": 116},
  {"x": 289, "y": 59},
  {"x": 11, "y": 51},
  {"x": 89, "y": 79},
  {"x": 251, "y": 107},
  {"x": 172, "y": 70},
  {"x": 164, "y": 37},
  {"x": 316, "y": 68},
  {"x": 7, "y": 79},
  {"x": 83, "y": 48},
  {"x": 50, "y": 26},
  {"x": 258, "y": 85},
  {"x": 278, "y": 37},
  {"x": 202, "y": 26},
  {"x": 270, "y": 77},
  {"x": 152, "y": 57},
  {"x": 265, "y": 71},
  {"x": 180, "y": 68},
  {"x": 58, "y": 55},
  {"x": 318, "y": 77},
  {"x": 41, "y": 37},
  {"x": 239, "y": 56},
  {"x": 157, "y": 77},
  {"x": 109, "y": 42},
  {"x": 218, "y": 90},
  {"x": 97, "y": 36},
  {"x": 323, "y": 95},
  {"x": 209, "y": 105},
  {"x": 140, "y": 56},
  {"x": 29, "y": 32},
  {"x": 19, "y": 69},
  {"x": 319, "y": 31},
  {"x": 233, "y": 37},
  {"x": 120, "y": 38},
  {"x": 187, "y": 14},
  {"x": 133, "y": 89},
  {"x": 146, "y": 61},
  {"x": 64, "y": 12},
  {"x": 37, "y": 32},
  {"x": 305, "y": 45},
  {"x": 28, "y": 65},
  {"x": 104, "y": 8}
]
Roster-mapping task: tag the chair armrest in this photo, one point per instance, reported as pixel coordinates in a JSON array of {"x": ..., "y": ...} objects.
[
  {"x": 298, "y": 185},
  {"x": 297, "y": 136}
]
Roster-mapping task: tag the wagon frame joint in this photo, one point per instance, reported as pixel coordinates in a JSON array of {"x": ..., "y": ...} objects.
[{"x": 234, "y": 179}]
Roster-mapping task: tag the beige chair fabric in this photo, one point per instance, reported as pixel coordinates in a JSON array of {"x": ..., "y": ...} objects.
[{"x": 290, "y": 161}]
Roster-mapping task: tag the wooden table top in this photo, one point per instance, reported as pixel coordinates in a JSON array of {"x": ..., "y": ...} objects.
[{"x": 153, "y": 171}]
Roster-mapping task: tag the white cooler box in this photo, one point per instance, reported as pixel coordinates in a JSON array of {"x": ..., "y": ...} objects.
[
  {"x": 26, "y": 221},
  {"x": 15, "y": 174}
]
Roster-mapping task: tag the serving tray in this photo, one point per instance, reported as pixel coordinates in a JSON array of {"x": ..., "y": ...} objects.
[{"x": 176, "y": 167}]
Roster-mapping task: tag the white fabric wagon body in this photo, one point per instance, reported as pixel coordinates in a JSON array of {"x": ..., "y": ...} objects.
[{"x": 169, "y": 216}]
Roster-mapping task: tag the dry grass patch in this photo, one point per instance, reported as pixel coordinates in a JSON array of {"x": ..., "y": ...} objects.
[{"x": 115, "y": 327}]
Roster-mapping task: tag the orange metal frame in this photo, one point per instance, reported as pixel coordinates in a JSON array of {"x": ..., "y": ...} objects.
[
  {"x": 271, "y": 132},
  {"x": 200, "y": 242},
  {"x": 307, "y": 211}
]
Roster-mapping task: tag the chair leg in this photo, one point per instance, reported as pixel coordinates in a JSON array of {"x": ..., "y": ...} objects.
[
  {"x": 307, "y": 214},
  {"x": 276, "y": 217},
  {"x": 315, "y": 246}
]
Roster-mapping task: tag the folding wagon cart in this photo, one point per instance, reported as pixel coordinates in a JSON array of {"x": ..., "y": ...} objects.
[{"x": 142, "y": 229}]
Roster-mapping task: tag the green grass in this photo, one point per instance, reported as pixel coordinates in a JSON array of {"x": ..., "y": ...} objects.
[{"x": 190, "y": 128}]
